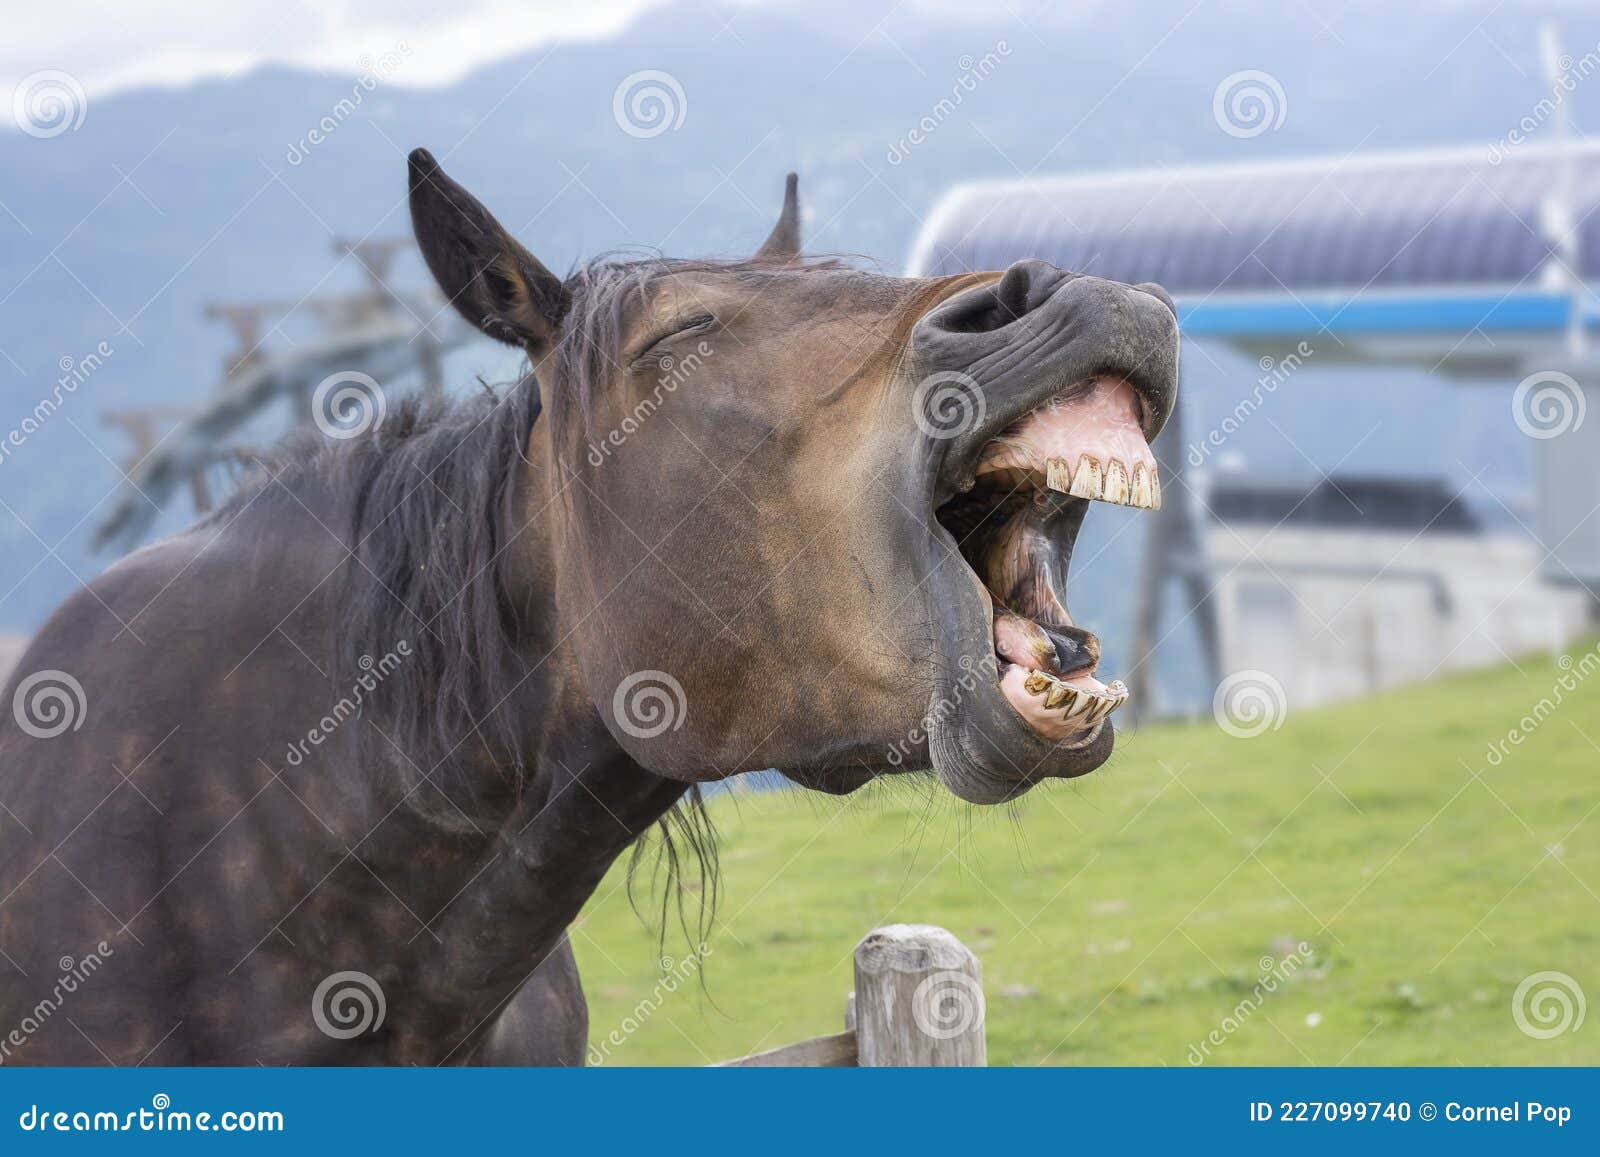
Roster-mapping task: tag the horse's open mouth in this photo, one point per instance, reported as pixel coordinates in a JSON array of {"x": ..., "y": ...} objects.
[{"x": 1016, "y": 528}]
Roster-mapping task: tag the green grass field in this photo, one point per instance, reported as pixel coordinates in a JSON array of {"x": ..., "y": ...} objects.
[{"x": 1121, "y": 918}]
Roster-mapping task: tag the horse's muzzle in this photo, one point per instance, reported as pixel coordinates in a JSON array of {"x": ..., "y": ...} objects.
[{"x": 1065, "y": 378}]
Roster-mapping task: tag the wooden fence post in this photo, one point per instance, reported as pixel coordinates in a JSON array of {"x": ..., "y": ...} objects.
[{"x": 918, "y": 999}]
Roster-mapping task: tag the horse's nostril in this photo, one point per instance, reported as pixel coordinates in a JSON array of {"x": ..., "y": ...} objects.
[
  {"x": 1159, "y": 294},
  {"x": 989, "y": 309},
  {"x": 1011, "y": 292},
  {"x": 1023, "y": 288}
]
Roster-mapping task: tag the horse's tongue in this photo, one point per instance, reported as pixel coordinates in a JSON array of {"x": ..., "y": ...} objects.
[
  {"x": 1023, "y": 568},
  {"x": 1024, "y": 642},
  {"x": 1036, "y": 647}
]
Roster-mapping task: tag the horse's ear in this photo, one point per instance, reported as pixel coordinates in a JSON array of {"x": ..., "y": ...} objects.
[
  {"x": 783, "y": 243},
  {"x": 488, "y": 276}
]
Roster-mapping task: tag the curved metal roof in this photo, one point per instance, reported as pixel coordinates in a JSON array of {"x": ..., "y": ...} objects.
[{"x": 1455, "y": 218}]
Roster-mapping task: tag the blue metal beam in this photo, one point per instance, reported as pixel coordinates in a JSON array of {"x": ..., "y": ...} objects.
[{"x": 1523, "y": 311}]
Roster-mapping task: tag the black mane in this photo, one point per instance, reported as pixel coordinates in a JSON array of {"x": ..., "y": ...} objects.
[
  {"x": 424, "y": 501},
  {"x": 423, "y": 498},
  {"x": 430, "y": 491}
]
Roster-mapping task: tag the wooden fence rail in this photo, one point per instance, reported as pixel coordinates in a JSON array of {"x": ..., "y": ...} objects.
[{"x": 918, "y": 1001}]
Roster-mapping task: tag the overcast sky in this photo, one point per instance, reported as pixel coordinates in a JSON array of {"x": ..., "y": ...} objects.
[
  {"x": 114, "y": 44},
  {"x": 111, "y": 45}
]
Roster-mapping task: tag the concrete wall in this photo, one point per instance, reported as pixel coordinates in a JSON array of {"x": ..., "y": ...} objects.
[{"x": 1335, "y": 614}]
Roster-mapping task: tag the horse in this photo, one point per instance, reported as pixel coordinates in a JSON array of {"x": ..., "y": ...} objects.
[{"x": 327, "y": 777}]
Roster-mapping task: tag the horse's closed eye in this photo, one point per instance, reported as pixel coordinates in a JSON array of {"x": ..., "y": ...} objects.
[{"x": 678, "y": 328}]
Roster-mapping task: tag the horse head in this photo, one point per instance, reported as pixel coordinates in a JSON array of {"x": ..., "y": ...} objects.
[{"x": 793, "y": 514}]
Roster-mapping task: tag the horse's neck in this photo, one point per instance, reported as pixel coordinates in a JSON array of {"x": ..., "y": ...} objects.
[
  {"x": 581, "y": 779},
  {"x": 583, "y": 801},
  {"x": 587, "y": 800},
  {"x": 572, "y": 822}
]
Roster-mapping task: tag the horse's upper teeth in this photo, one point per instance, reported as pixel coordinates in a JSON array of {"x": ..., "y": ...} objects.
[
  {"x": 1141, "y": 495},
  {"x": 1115, "y": 487},
  {"x": 1113, "y": 483},
  {"x": 1086, "y": 482}
]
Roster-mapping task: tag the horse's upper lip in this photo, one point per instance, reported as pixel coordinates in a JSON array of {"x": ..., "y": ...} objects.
[{"x": 1014, "y": 355}]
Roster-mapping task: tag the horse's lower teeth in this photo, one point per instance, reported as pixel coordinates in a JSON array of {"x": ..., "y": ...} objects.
[{"x": 1076, "y": 702}]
